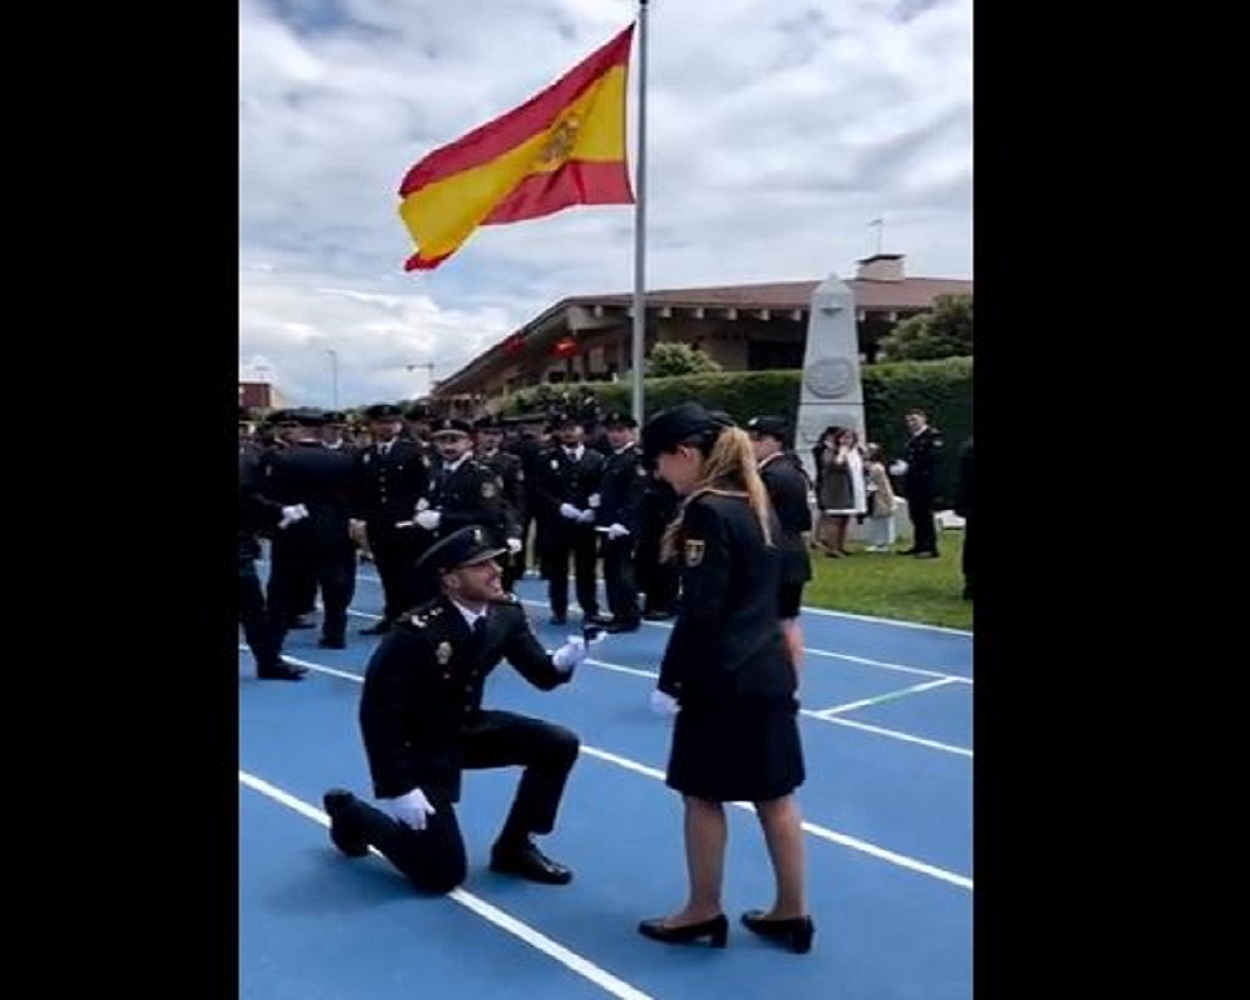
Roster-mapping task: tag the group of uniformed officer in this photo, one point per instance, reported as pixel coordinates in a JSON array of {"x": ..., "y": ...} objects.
[{"x": 414, "y": 479}]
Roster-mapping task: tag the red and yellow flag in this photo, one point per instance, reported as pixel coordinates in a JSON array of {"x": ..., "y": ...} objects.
[{"x": 565, "y": 146}]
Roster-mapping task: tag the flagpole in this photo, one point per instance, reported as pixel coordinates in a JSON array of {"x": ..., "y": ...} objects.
[{"x": 640, "y": 222}]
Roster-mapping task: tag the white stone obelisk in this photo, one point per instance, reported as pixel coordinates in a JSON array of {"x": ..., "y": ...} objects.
[{"x": 830, "y": 392}]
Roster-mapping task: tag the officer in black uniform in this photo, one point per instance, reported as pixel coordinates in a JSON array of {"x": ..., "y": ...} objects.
[
  {"x": 422, "y": 721},
  {"x": 659, "y": 579},
  {"x": 488, "y": 439},
  {"x": 260, "y": 631},
  {"x": 965, "y": 491},
  {"x": 392, "y": 475},
  {"x": 618, "y": 520},
  {"x": 566, "y": 493},
  {"x": 462, "y": 491},
  {"x": 334, "y": 432},
  {"x": 531, "y": 441},
  {"x": 919, "y": 468},
  {"x": 282, "y": 427},
  {"x": 788, "y": 488},
  {"x": 310, "y": 487}
]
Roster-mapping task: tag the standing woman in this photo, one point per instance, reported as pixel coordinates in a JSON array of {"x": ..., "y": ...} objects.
[
  {"x": 840, "y": 487},
  {"x": 728, "y": 676}
]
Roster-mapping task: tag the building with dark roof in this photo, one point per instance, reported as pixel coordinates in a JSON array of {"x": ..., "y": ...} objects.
[{"x": 743, "y": 327}]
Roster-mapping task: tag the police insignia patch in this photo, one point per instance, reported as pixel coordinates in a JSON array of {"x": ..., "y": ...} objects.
[
  {"x": 443, "y": 653},
  {"x": 694, "y": 551}
]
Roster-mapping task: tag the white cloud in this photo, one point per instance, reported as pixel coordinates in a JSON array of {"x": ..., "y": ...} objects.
[{"x": 777, "y": 129}]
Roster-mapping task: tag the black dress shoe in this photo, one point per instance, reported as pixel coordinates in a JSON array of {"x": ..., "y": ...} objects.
[
  {"x": 379, "y": 628},
  {"x": 301, "y": 622},
  {"x": 335, "y": 802},
  {"x": 715, "y": 930},
  {"x": 796, "y": 933},
  {"x": 332, "y": 642},
  {"x": 629, "y": 625},
  {"x": 656, "y": 616},
  {"x": 559, "y": 620},
  {"x": 527, "y": 861},
  {"x": 282, "y": 671},
  {"x": 598, "y": 619}
]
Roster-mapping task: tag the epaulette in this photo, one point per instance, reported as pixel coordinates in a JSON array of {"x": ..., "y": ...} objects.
[{"x": 421, "y": 619}]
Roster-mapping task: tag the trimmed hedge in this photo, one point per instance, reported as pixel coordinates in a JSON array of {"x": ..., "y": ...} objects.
[{"x": 943, "y": 389}]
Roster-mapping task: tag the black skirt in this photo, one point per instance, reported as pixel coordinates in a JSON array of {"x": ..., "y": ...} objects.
[{"x": 744, "y": 750}]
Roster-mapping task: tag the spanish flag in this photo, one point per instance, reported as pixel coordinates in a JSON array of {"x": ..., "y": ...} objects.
[{"x": 565, "y": 146}]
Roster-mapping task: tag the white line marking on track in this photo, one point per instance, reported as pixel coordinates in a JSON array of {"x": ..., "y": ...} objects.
[
  {"x": 820, "y": 715},
  {"x": 850, "y": 706},
  {"x": 534, "y": 938},
  {"x": 893, "y": 734},
  {"x": 815, "y": 830},
  {"x": 905, "y": 737},
  {"x": 901, "y": 623}
]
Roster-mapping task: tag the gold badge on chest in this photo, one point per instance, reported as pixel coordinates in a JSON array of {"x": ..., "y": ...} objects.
[
  {"x": 443, "y": 653},
  {"x": 694, "y": 551}
]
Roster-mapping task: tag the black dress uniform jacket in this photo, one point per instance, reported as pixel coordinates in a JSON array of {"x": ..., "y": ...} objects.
[
  {"x": 923, "y": 456},
  {"x": 423, "y": 687},
  {"x": 788, "y": 487},
  {"x": 389, "y": 485},
  {"x": 469, "y": 494},
  {"x": 621, "y": 489},
  {"x": 727, "y": 639},
  {"x": 559, "y": 479},
  {"x": 736, "y": 737}
]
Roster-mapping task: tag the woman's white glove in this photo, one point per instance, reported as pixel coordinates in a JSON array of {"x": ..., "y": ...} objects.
[
  {"x": 664, "y": 704},
  {"x": 412, "y": 809},
  {"x": 569, "y": 511},
  {"x": 898, "y": 468}
]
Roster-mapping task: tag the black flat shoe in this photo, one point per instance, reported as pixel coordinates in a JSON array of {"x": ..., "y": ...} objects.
[
  {"x": 715, "y": 930},
  {"x": 796, "y": 933},
  {"x": 334, "y": 802},
  {"x": 529, "y": 862}
]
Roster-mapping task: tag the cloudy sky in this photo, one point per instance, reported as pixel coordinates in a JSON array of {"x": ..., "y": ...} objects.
[{"x": 777, "y": 131}]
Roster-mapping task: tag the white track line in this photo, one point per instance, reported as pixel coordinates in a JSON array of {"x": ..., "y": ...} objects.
[
  {"x": 534, "y": 938},
  {"x": 850, "y": 706},
  {"x": 815, "y": 830},
  {"x": 901, "y": 623}
]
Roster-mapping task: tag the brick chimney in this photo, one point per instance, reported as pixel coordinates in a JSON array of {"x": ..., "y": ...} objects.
[{"x": 880, "y": 267}]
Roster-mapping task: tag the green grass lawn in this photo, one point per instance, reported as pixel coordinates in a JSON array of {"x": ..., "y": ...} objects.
[{"x": 894, "y": 586}]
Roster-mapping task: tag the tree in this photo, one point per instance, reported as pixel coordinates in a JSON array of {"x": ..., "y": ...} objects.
[
  {"x": 945, "y": 332},
  {"x": 677, "y": 358}
]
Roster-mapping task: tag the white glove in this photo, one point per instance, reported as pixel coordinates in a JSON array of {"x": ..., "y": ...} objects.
[
  {"x": 423, "y": 504},
  {"x": 898, "y": 468},
  {"x": 411, "y": 809},
  {"x": 586, "y": 517},
  {"x": 428, "y": 519},
  {"x": 296, "y": 512},
  {"x": 569, "y": 511},
  {"x": 664, "y": 704},
  {"x": 592, "y": 501},
  {"x": 616, "y": 531},
  {"x": 514, "y": 545},
  {"x": 570, "y": 654}
]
